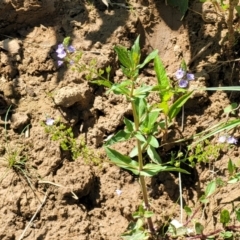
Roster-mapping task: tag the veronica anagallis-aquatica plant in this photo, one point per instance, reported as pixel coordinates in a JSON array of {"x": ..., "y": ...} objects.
[{"x": 145, "y": 124}]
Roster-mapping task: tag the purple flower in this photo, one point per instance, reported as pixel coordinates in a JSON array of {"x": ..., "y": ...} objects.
[
  {"x": 183, "y": 83},
  {"x": 61, "y": 53},
  {"x": 60, "y": 63},
  {"x": 50, "y": 121},
  {"x": 183, "y": 77},
  {"x": 71, "y": 49},
  {"x": 229, "y": 140},
  {"x": 232, "y": 140},
  {"x": 180, "y": 74},
  {"x": 190, "y": 76}
]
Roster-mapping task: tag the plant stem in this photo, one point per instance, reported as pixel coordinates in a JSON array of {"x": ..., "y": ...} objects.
[
  {"x": 231, "y": 37},
  {"x": 140, "y": 161}
]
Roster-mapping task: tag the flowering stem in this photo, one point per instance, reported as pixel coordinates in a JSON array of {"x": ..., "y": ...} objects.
[{"x": 140, "y": 162}]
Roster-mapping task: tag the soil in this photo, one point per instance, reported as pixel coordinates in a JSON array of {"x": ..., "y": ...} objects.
[{"x": 65, "y": 199}]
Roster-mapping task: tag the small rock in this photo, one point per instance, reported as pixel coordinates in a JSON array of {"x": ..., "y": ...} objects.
[
  {"x": 67, "y": 96},
  {"x": 10, "y": 45},
  {"x": 19, "y": 120}
]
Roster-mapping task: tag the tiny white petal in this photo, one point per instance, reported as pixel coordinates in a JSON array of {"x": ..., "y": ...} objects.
[{"x": 118, "y": 192}]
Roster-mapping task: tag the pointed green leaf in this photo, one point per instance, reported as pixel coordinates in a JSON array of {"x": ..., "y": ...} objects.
[
  {"x": 140, "y": 137},
  {"x": 150, "y": 169},
  {"x": 120, "y": 136},
  {"x": 142, "y": 91},
  {"x": 152, "y": 118},
  {"x": 122, "y": 160},
  {"x": 104, "y": 83},
  {"x": 231, "y": 167},
  {"x": 210, "y": 189},
  {"x": 154, "y": 156},
  {"x": 122, "y": 88},
  {"x": 163, "y": 80},
  {"x": 123, "y": 56},
  {"x": 238, "y": 214},
  {"x": 135, "y": 53},
  {"x": 176, "y": 107},
  {"x": 152, "y": 141},
  {"x": 141, "y": 106},
  {"x": 129, "y": 125},
  {"x": 150, "y": 57}
]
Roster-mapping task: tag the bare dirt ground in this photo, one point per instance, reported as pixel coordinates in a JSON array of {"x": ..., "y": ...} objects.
[{"x": 30, "y": 80}]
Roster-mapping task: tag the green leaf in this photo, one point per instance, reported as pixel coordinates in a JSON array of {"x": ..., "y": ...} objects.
[
  {"x": 210, "y": 189},
  {"x": 238, "y": 214},
  {"x": 104, "y": 83},
  {"x": 203, "y": 199},
  {"x": 152, "y": 118},
  {"x": 165, "y": 107},
  {"x": 122, "y": 160},
  {"x": 152, "y": 153},
  {"x": 135, "y": 53},
  {"x": 188, "y": 210},
  {"x": 150, "y": 57},
  {"x": 66, "y": 41},
  {"x": 122, "y": 88},
  {"x": 142, "y": 91},
  {"x": 225, "y": 217},
  {"x": 163, "y": 80},
  {"x": 152, "y": 141},
  {"x": 150, "y": 169},
  {"x": 198, "y": 228},
  {"x": 140, "y": 137},
  {"x": 120, "y": 136},
  {"x": 123, "y": 56},
  {"x": 176, "y": 107},
  {"x": 148, "y": 214},
  {"x": 226, "y": 234},
  {"x": 230, "y": 108},
  {"x": 134, "y": 152},
  {"x": 129, "y": 125},
  {"x": 141, "y": 106},
  {"x": 231, "y": 167}
]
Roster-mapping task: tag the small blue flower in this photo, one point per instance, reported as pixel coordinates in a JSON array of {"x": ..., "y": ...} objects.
[
  {"x": 61, "y": 53},
  {"x": 50, "y": 121},
  {"x": 180, "y": 74},
  {"x": 71, "y": 49},
  {"x": 227, "y": 139},
  {"x": 232, "y": 140},
  {"x": 190, "y": 76},
  {"x": 183, "y": 77},
  {"x": 60, "y": 63},
  {"x": 183, "y": 83}
]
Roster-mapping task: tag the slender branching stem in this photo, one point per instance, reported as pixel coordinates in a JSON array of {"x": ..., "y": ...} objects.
[{"x": 140, "y": 162}]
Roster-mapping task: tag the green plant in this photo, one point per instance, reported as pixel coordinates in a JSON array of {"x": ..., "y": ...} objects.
[
  {"x": 205, "y": 152},
  {"x": 64, "y": 135},
  {"x": 151, "y": 119},
  {"x": 14, "y": 157}
]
